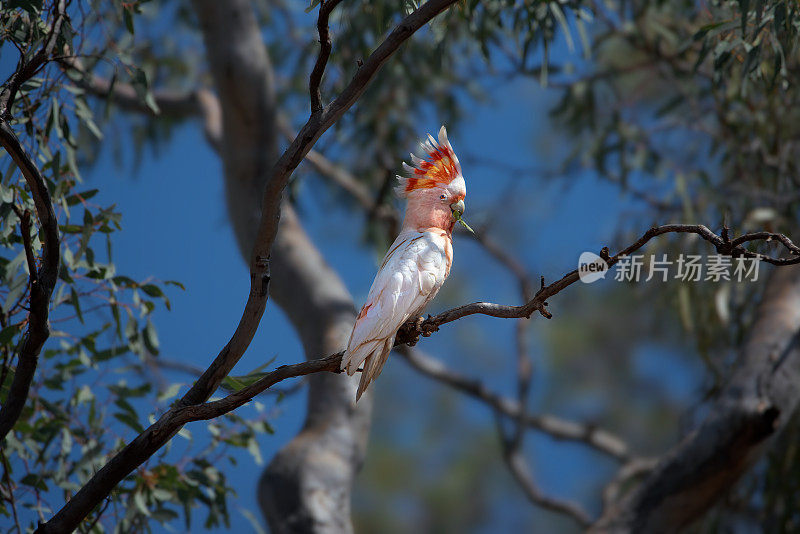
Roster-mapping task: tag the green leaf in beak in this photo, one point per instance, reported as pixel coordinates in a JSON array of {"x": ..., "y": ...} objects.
[{"x": 457, "y": 217}]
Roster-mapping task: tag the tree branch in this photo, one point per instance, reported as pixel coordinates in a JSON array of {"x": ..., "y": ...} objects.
[
  {"x": 26, "y": 70},
  {"x": 557, "y": 428},
  {"x": 511, "y": 443},
  {"x": 524, "y": 377},
  {"x": 507, "y": 260},
  {"x": 340, "y": 176},
  {"x": 325, "y": 9},
  {"x": 209, "y": 410},
  {"x": 410, "y": 332},
  {"x": 171, "y": 103},
  {"x": 182, "y": 367},
  {"x": 635, "y": 468},
  {"x": 520, "y": 470},
  {"x": 43, "y": 281}
]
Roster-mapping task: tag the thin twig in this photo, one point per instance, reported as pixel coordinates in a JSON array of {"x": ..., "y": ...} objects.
[
  {"x": 210, "y": 410},
  {"x": 507, "y": 260},
  {"x": 342, "y": 178},
  {"x": 7, "y": 479},
  {"x": 27, "y": 69},
  {"x": 100, "y": 513},
  {"x": 325, "y": 9},
  {"x": 172, "y": 103},
  {"x": 175, "y": 103},
  {"x": 512, "y": 442}
]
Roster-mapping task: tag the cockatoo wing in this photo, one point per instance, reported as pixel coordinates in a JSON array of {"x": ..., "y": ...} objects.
[{"x": 412, "y": 272}]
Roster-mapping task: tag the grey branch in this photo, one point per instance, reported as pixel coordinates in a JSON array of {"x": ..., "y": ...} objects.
[
  {"x": 520, "y": 470},
  {"x": 172, "y": 103},
  {"x": 558, "y": 428},
  {"x": 512, "y": 441}
]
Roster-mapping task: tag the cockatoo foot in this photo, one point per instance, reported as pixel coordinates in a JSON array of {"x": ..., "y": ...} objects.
[{"x": 426, "y": 329}]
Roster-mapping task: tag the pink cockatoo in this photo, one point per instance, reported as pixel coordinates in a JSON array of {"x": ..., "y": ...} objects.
[{"x": 418, "y": 262}]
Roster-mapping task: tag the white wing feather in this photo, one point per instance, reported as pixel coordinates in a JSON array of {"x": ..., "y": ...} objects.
[{"x": 412, "y": 272}]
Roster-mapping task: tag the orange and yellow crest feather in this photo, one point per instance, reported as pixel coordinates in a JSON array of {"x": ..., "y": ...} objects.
[{"x": 437, "y": 166}]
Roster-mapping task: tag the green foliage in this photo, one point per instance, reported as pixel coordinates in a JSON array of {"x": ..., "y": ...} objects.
[
  {"x": 692, "y": 109},
  {"x": 92, "y": 391},
  {"x": 709, "y": 72}
]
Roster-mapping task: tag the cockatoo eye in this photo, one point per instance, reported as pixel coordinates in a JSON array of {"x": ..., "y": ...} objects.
[{"x": 442, "y": 196}]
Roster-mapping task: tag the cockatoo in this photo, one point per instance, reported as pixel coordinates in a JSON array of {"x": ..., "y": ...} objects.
[{"x": 417, "y": 263}]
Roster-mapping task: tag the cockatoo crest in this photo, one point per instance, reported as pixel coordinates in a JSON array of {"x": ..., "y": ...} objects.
[{"x": 438, "y": 165}]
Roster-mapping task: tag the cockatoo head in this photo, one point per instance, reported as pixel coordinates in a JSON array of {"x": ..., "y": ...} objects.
[{"x": 434, "y": 186}]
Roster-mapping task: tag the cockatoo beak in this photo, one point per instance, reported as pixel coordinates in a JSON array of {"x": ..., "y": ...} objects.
[{"x": 458, "y": 209}]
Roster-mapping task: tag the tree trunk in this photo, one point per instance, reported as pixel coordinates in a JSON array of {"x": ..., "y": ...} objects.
[{"x": 306, "y": 488}]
